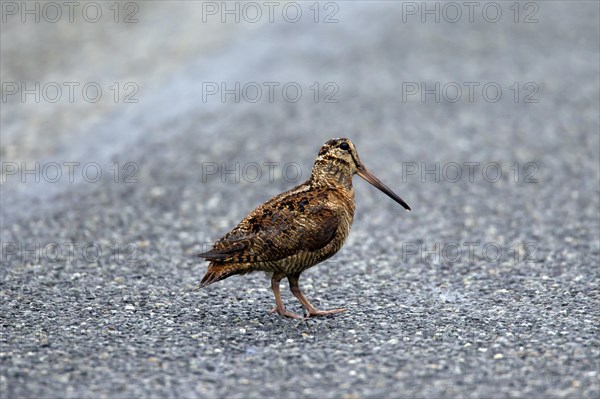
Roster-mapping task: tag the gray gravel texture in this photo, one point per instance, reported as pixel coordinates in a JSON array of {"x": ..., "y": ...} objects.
[{"x": 462, "y": 320}]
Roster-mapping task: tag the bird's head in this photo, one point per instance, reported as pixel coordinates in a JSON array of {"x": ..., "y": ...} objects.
[
  {"x": 338, "y": 158},
  {"x": 339, "y": 153}
]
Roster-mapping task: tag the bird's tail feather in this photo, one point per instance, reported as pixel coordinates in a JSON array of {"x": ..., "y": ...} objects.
[{"x": 217, "y": 273}]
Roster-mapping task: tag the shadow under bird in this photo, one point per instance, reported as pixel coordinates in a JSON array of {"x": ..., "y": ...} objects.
[{"x": 296, "y": 229}]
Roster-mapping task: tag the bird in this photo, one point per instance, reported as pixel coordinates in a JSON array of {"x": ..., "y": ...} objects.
[{"x": 296, "y": 229}]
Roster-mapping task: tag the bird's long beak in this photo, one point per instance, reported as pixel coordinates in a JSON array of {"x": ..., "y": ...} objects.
[{"x": 368, "y": 176}]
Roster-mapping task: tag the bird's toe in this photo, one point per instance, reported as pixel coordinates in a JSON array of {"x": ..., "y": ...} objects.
[
  {"x": 286, "y": 313},
  {"x": 326, "y": 312}
]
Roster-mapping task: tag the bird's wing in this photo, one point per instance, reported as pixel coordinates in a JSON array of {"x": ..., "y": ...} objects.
[{"x": 282, "y": 227}]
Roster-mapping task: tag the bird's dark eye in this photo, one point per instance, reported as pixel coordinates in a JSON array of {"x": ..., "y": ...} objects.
[{"x": 344, "y": 146}]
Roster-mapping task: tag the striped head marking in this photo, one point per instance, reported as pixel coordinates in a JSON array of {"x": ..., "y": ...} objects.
[{"x": 339, "y": 153}]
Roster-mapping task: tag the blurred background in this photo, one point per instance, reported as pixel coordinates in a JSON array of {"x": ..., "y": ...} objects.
[{"x": 150, "y": 128}]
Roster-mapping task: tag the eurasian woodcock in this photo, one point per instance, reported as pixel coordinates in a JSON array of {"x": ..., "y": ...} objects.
[{"x": 296, "y": 229}]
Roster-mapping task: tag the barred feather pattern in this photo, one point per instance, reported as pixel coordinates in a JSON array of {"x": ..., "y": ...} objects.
[{"x": 286, "y": 235}]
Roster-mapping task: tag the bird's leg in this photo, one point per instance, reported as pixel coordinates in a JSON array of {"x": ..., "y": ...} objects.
[
  {"x": 295, "y": 288},
  {"x": 280, "y": 308}
]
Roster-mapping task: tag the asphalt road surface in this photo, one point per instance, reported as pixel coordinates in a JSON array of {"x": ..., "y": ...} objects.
[{"x": 487, "y": 124}]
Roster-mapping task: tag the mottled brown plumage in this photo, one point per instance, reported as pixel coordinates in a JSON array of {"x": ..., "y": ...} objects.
[{"x": 296, "y": 229}]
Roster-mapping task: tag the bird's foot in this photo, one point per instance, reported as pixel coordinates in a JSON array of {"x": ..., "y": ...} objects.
[
  {"x": 315, "y": 312},
  {"x": 284, "y": 312}
]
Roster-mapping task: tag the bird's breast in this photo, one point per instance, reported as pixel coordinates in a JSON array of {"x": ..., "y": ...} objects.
[{"x": 343, "y": 202}]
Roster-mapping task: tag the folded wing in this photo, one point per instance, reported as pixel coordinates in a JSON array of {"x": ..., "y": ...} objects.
[{"x": 280, "y": 228}]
